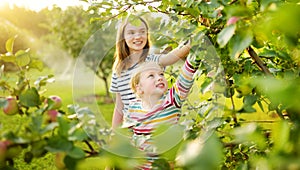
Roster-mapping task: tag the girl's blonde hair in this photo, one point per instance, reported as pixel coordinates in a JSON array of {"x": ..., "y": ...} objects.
[
  {"x": 136, "y": 76},
  {"x": 122, "y": 50}
]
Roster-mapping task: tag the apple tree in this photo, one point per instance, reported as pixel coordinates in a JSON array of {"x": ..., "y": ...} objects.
[
  {"x": 257, "y": 44},
  {"x": 44, "y": 125}
]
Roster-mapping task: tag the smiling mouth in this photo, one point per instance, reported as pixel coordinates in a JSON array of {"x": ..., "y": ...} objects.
[{"x": 137, "y": 42}]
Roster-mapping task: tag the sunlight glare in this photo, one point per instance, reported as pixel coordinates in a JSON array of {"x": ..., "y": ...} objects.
[{"x": 37, "y": 5}]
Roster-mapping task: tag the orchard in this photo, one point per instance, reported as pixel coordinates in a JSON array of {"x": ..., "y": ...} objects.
[{"x": 243, "y": 113}]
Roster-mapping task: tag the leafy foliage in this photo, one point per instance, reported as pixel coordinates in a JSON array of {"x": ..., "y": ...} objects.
[
  {"x": 45, "y": 128},
  {"x": 250, "y": 69},
  {"x": 258, "y": 47}
]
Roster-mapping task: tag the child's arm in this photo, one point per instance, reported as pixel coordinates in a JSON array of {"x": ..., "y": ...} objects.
[
  {"x": 178, "y": 53},
  {"x": 185, "y": 79},
  {"x": 117, "y": 115}
]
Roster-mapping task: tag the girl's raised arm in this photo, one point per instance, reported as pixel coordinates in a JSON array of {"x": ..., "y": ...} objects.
[{"x": 178, "y": 53}]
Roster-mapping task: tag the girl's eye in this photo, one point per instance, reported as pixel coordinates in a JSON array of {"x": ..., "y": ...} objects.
[{"x": 161, "y": 74}]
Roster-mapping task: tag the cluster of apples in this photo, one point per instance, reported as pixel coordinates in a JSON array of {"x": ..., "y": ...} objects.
[
  {"x": 8, "y": 149},
  {"x": 53, "y": 103}
]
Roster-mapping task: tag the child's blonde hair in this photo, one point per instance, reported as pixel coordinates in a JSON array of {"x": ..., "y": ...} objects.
[{"x": 136, "y": 76}]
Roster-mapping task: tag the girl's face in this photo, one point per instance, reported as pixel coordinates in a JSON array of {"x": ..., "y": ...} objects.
[
  {"x": 135, "y": 36},
  {"x": 152, "y": 82}
]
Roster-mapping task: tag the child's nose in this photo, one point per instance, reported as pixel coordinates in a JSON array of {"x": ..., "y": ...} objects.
[{"x": 159, "y": 78}]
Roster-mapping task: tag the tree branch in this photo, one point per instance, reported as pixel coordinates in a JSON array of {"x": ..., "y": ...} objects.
[{"x": 258, "y": 61}]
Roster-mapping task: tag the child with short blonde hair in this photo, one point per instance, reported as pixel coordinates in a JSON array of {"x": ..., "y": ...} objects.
[{"x": 156, "y": 105}]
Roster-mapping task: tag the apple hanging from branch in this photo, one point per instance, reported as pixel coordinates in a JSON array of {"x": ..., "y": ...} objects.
[
  {"x": 11, "y": 107},
  {"x": 53, "y": 102},
  {"x": 52, "y": 115}
]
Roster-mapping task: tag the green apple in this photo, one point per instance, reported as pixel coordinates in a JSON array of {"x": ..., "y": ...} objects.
[{"x": 13, "y": 151}]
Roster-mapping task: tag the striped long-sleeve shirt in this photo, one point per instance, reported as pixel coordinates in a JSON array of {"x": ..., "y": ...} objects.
[
  {"x": 166, "y": 111},
  {"x": 120, "y": 84}
]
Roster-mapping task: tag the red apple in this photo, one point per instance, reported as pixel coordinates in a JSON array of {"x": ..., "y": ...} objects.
[
  {"x": 3, "y": 150},
  {"x": 11, "y": 106},
  {"x": 52, "y": 115},
  {"x": 55, "y": 103},
  {"x": 232, "y": 20}
]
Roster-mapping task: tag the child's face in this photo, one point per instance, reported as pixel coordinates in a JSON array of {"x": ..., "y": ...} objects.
[
  {"x": 135, "y": 36},
  {"x": 152, "y": 82}
]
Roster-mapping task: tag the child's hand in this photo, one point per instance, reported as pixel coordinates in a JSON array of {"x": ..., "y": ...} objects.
[{"x": 187, "y": 43}]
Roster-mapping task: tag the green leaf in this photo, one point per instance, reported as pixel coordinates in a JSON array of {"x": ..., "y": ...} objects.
[
  {"x": 240, "y": 41},
  {"x": 165, "y": 137},
  {"x": 260, "y": 105},
  {"x": 267, "y": 53},
  {"x": 195, "y": 153},
  {"x": 237, "y": 10},
  {"x": 250, "y": 100},
  {"x": 43, "y": 80},
  {"x": 189, "y": 3},
  {"x": 76, "y": 153},
  {"x": 30, "y": 98},
  {"x": 121, "y": 145},
  {"x": 97, "y": 162},
  {"x": 15, "y": 138},
  {"x": 225, "y": 35},
  {"x": 206, "y": 84},
  {"x": 64, "y": 127},
  {"x": 38, "y": 64},
  {"x": 78, "y": 135},
  {"x": 10, "y": 44},
  {"x": 8, "y": 57},
  {"x": 281, "y": 135},
  {"x": 36, "y": 124},
  {"x": 248, "y": 109},
  {"x": 49, "y": 127},
  {"x": 250, "y": 135},
  {"x": 22, "y": 58},
  {"x": 58, "y": 144},
  {"x": 38, "y": 148},
  {"x": 214, "y": 123}
]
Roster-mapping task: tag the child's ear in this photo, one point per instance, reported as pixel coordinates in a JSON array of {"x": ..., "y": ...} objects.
[{"x": 139, "y": 89}]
